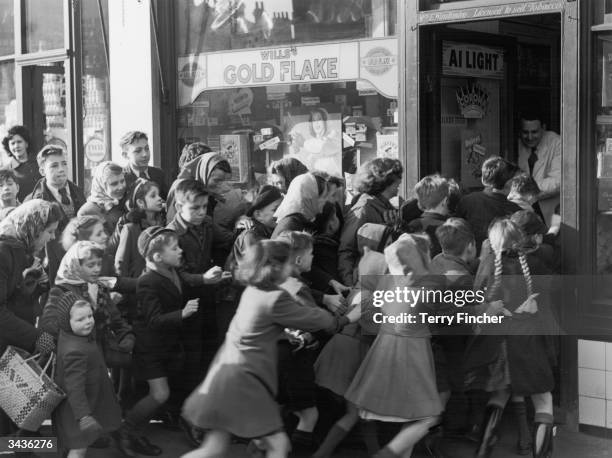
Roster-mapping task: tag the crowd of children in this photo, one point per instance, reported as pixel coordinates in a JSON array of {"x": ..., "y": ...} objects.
[{"x": 230, "y": 317}]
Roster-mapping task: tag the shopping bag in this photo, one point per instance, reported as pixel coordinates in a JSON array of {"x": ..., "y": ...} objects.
[{"x": 27, "y": 394}]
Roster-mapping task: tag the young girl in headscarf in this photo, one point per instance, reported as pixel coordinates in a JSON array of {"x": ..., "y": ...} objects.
[
  {"x": 304, "y": 200},
  {"x": 79, "y": 278},
  {"x": 107, "y": 197},
  {"x": 401, "y": 351},
  {"x": 522, "y": 358},
  {"x": 91, "y": 407}
]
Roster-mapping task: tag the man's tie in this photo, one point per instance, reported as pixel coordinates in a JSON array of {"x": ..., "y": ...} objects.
[
  {"x": 64, "y": 195},
  {"x": 532, "y": 159}
]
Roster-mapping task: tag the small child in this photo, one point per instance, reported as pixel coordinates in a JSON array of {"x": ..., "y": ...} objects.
[
  {"x": 146, "y": 209},
  {"x": 238, "y": 394},
  {"x": 135, "y": 148},
  {"x": 524, "y": 191},
  {"x": 8, "y": 192},
  {"x": 161, "y": 312},
  {"x": 91, "y": 407},
  {"x": 433, "y": 198}
]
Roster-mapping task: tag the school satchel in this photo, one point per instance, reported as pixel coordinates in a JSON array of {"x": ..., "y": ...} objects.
[
  {"x": 27, "y": 394},
  {"x": 114, "y": 355}
]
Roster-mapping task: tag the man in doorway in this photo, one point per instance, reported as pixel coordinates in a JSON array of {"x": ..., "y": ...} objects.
[{"x": 540, "y": 156}]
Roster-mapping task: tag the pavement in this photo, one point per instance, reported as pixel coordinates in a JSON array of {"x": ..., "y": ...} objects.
[{"x": 568, "y": 444}]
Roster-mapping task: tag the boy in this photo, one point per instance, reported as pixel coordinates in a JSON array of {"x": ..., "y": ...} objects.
[
  {"x": 480, "y": 208},
  {"x": 433, "y": 197},
  {"x": 162, "y": 310},
  {"x": 194, "y": 230},
  {"x": 55, "y": 186},
  {"x": 524, "y": 191},
  {"x": 135, "y": 148},
  {"x": 8, "y": 192}
]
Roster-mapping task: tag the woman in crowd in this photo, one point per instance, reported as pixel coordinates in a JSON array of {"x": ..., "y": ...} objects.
[
  {"x": 24, "y": 165},
  {"x": 107, "y": 197},
  {"x": 23, "y": 234},
  {"x": 378, "y": 182},
  {"x": 282, "y": 172}
]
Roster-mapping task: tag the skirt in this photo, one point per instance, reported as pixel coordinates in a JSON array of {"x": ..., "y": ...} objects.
[
  {"x": 339, "y": 361},
  {"x": 233, "y": 400},
  {"x": 397, "y": 380}
]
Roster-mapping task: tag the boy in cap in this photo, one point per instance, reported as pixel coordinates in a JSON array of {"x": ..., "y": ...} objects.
[
  {"x": 524, "y": 191},
  {"x": 162, "y": 309}
]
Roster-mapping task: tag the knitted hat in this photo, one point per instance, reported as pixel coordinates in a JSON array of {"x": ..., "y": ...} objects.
[
  {"x": 529, "y": 222},
  {"x": 147, "y": 236},
  {"x": 267, "y": 194}
]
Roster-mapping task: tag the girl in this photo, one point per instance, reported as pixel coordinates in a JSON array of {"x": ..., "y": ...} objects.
[
  {"x": 107, "y": 197},
  {"x": 238, "y": 394},
  {"x": 91, "y": 407},
  {"x": 400, "y": 352},
  {"x": 146, "y": 209},
  {"x": 521, "y": 354},
  {"x": 282, "y": 172},
  {"x": 79, "y": 278}
]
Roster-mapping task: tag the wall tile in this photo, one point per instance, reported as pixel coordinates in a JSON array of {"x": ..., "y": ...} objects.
[
  {"x": 592, "y": 411},
  {"x": 609, "y": 356},
  {"x": 592, "y": 354},
  {"x": 609, "y": 414},
  {"x": 591, "y": 383},
  {"x": 609, "y": 385}
]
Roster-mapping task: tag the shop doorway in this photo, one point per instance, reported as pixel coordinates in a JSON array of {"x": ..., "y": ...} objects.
[{"x": 476, "y": 79}]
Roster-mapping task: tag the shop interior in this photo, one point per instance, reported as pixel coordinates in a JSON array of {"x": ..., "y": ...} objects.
[{"x": 476, "y": 78}]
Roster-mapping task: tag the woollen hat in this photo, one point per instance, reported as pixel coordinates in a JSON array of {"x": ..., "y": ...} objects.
[
  {"x": 146, "y": 237},
  {"x": 267, "y": 194}
]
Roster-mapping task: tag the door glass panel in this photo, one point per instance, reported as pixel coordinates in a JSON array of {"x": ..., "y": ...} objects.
[
  {"x": 8, "y": 102},
  {"x": 7, "y": 28},
  {"x": 44, "y": 25}
]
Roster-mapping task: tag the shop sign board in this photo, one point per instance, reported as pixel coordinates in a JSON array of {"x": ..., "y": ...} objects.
[
  {"x": 464, "y": 59},
  {"x": 373, "y": 60},
  {"x": 493, "y": 11}
]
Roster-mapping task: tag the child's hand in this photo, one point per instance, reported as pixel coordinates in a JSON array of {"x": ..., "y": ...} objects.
[
  {"x": 191, "y": 308},
  {"x": 108, "y": 282},
  {"x": 89, "y": 424},
  {"x": 213, "y": 275},
  {"x": 335, "y": 303},
  {"x": 338, "y": 287},
  {"x": 497, "y": 308},
  {"x": 355, "y": 313},
  {"x": 245, "y": 223},
  {"x": 226, "y": 275}
]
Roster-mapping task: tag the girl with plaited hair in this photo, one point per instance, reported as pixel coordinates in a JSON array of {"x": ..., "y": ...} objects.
[
  {"x": 515, "y": 358},
  {"x": 23, "y": 234}
]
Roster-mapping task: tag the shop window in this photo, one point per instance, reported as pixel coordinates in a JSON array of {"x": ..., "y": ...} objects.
[
  {"x": 96, "y": 95},
  {"x": 7, "y": 28},
  {"x": 322, "y": 85},
  {"x": 8, "y": 101},
  {"x": 205, "y": 26},
  {"x": 44, "y": 25}
]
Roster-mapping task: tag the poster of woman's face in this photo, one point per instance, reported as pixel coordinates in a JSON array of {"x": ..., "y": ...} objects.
[{"x": 314, "y": 135}]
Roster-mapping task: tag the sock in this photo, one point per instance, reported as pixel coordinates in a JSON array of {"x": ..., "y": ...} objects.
[
  {"x": 369, "y": 432},
  {"x": 542, "y": 421},
  {"x": 141, "y": 413},
  {"x": 520, "y": 410},
  {"x": 386, "y": 453},
  {"x": 332, "y": 440}
]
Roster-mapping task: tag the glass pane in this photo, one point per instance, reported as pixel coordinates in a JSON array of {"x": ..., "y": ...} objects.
[
  {"x": 44, "y": 20},
  {"x": 96, "y": 95},
  {"x": 7, "y": 28},
  {"x": 8, "y": 102},
  {"x": 207, "y": 25},
  {"x": 425, "y": 5}
]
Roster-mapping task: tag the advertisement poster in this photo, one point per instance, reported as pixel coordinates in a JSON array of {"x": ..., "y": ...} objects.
[
  {"x": 473, "y": 154},
  {"x": 235, "y": 150},
  {"x": 606, "y": 86},
  {"x": 315, "y": 137}
]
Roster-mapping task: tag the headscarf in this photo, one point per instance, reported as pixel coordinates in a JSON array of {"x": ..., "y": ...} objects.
[
  {"x": 371, "y": 235},
  {"x": 26, "y": 223},
  {"x": 201, "y": 167},
  {"x": 408, "y": 255},
  {"x": 302, "y": 197},
  {"x": 98, "y": 193},
  {"x": 70, "y": 271}
]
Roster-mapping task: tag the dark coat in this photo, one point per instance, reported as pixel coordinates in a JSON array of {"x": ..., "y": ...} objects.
[
  {"x": 83, "y": 376},
  {"x": 128, "y": 261},
  {"x": 156, "y": 175},
  {"x": 106, "y": 314},
  {"x": 18, "y": 299},
  {"x": 324, "y": 263},
  {"x": 293, "y": 222},
  {"x": 196, "y": 243},
  {"x": 158, "y": 323},
  {"x": 55, "y": 251},
  {"x": 246, "y": 239},
  {"x": 367, "y": 209},
  {"x": 26, "y": 176},
  {"x": 428, "y": 222},
  {"x": 481, "y": 208}
]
